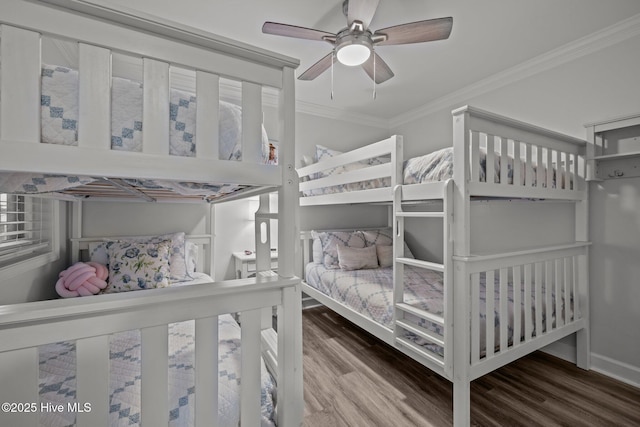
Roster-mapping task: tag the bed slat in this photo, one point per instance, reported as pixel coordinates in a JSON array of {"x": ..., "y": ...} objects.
[
  {"x": 490, "y": 160},
  {"x": 155, "y": 107},
  {"x": 475, "y": 317},
  {"x": 559, "y": 298},
  {"x": 20, "y": 369},
  {"x": 538, "y": 298},
  {"x": 490, "y": 313},
  {"x": 504, "y": 161},
  {"x": 94, "y": 97},
  {"x": 20, "y": 85},
  {"x": 548, "y": 293},
  {"x": 92, "y": 380},
  {"x": 528, "y": 166},
  {"x": 206, "y": 360},
  {"x": 567, "y": 290},
  {"x": 551, "y": 167},
  {"x": 540, "y": 175},
  {"x": 528, "y": 317},
  {"x": 517, "y": 305},
  {"x": 250, "y": 387},
  {"x": 251, "y": 122},
  {"x": 207, "y": 115},
  {"x": 504, "y": 309},
  {"x": 517, "y": 165},
  {"x": 474, "y": 167},
  {"x": 154, "y": 369}
]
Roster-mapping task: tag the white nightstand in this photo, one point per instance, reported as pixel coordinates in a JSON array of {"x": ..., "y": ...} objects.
[{"x": 246, "y": 264}]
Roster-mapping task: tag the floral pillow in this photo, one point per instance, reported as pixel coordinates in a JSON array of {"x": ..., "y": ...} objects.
[
  {"x": 99, "y": 252},
  {"x": 134, "y": 266}
]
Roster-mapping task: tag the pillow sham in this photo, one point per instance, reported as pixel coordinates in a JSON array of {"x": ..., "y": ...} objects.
[
  {"x": 357, "y": 258},
  {"x": 136, "y": 265},
  {"x": 329, "y": 241},
  {"x": 98, "y": 252},
  {"x": 385, "y": 255},
  {"x": 383, "y": 237}
]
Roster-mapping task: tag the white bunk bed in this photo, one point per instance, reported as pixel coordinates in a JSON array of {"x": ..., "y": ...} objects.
[
  {"x": 445, "y": 320},
  {"x": 155, "y": 173}
]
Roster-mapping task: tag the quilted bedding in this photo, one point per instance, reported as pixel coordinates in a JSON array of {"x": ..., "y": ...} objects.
[
  {"x": 432, "y": 167},
  {"x": 370, "y": 293},
  {"x": 59, "y": 113},
  {"x": 57, "y": 378}
]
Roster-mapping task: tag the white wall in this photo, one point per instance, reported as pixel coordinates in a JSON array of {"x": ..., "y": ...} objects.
[{"x": 597, "y": 86}]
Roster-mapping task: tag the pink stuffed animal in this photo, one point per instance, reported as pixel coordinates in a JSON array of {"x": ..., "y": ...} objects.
[{"x": 82, "y": 279}]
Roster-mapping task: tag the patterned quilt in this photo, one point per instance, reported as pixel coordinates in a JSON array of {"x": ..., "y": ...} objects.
[
  {"x": 57, "y": 378},
  {"x": 59, "y": 112},
  {"x": 370, "y": 293},
  {"x": 432, "y": 167}
]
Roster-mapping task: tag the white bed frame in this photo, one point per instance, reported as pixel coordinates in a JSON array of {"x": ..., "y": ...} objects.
[
  {"x": 100, "y": 30},
  {"x": 562, "y": 267}
]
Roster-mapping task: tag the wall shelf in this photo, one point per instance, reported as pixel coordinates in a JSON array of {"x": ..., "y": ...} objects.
[{"x": 613, "y": 151}]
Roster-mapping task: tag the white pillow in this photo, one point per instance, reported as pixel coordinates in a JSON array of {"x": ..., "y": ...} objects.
[
  {"x": 385, "y": 255},
  {"x": 357, "y": 258},
  {"x": 136, "y": 265}
]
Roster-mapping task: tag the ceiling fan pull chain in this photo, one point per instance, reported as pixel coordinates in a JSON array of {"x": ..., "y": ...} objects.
[
  {"x": 332, "y": 60},
  {"x": 374, "y": 73}
]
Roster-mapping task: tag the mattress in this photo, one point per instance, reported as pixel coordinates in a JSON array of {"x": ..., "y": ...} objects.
[
  {"x": 59, "y": 125},
  {"x": 370, "y": 293},
  {"x": 57, "y": 380}
]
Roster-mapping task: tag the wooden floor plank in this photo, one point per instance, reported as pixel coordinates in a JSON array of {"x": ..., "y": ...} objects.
[{"x": 353, "y": 379}]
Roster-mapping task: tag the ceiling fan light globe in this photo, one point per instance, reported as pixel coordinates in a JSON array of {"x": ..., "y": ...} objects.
[{"x": 353, "y": 54}]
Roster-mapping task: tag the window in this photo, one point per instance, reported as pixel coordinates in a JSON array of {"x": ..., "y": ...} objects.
[{"x": 26, "y": 227}]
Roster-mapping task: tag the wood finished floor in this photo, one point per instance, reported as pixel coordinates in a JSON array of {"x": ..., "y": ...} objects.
[{"x": 353, "y": 379}]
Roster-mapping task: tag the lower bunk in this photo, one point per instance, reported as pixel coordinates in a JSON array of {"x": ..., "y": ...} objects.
[
  {"x": 165, "y": 356},
  {"x": 473, "y": 316},
  {"x": 57, "y": 378}
]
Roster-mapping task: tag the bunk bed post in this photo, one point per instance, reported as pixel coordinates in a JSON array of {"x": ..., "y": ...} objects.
[
  {"x": 583, "y": 341},
  {"x": 461, "y": 248},
  {"x": 290, "y": 393},
  {"x": 263, "y": 248}
]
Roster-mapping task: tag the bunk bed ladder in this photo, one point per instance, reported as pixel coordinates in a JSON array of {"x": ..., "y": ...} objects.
[{"x": 415, "y": 327}]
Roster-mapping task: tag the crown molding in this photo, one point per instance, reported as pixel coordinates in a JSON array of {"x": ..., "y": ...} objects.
[
  {"x": 594, "y": 42},
  {"x": 340, "y": 114}
]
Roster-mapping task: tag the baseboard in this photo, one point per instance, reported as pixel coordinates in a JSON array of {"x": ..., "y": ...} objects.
[
  {"x": 620, "y": 371},
  {"x": 604, "y": 365}
]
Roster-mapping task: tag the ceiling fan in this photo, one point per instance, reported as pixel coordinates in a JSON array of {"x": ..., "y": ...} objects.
[{"x": 354, "y": 45}]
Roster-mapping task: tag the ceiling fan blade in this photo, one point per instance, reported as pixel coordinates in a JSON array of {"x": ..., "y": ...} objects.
[
  {"x": 417, "y": 32},
  {"x": 361, "y": 10},
  {"x": 383, "y": 72},
  {"x": 295, "y": 31},
  {"x": 318, "y": 68}
]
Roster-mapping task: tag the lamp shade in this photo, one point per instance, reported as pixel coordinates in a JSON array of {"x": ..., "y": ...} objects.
[{"x": 353, "y": 54}]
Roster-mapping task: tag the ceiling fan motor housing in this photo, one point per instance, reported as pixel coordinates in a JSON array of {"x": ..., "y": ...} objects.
[{"x": 347, "y": 38}]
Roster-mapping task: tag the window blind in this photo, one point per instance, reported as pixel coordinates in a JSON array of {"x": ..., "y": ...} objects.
[{"x": 25, "y": 226}]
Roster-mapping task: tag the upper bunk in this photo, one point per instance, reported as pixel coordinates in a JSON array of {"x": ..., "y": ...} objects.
[
  {"x": 141, "y": 107},
  {"x": 546, "y": 165}
]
